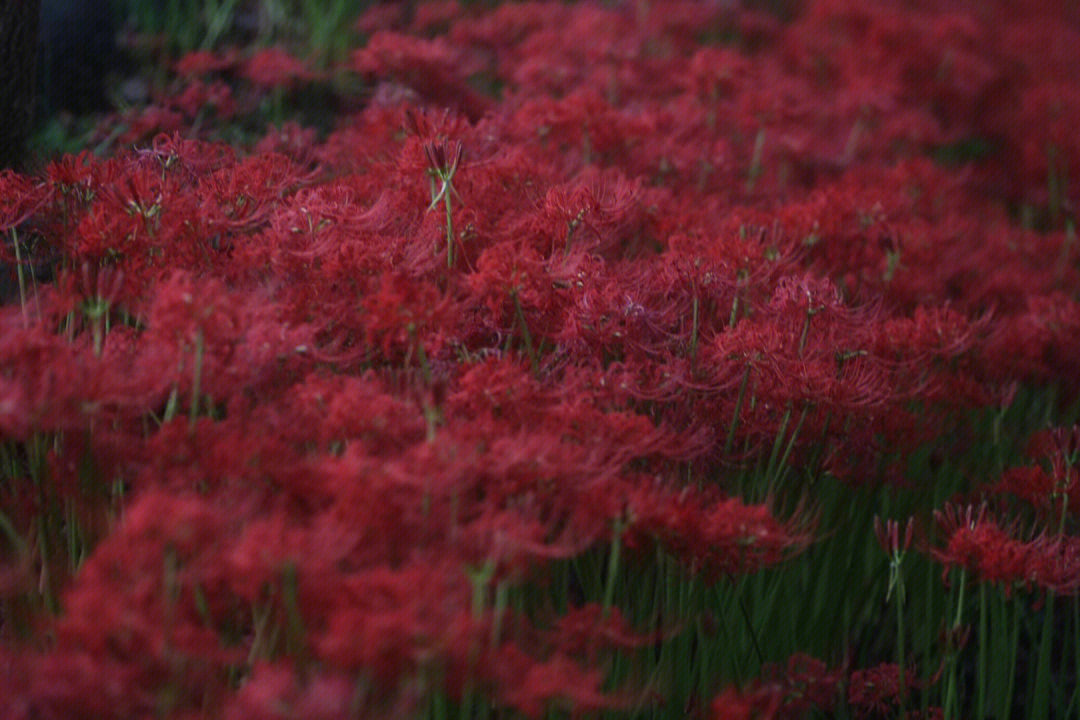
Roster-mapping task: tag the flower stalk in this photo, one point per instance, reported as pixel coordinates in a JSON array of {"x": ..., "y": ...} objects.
[
  {"x": 888, "y": 536},
  {"x": 443, "y": 163}
]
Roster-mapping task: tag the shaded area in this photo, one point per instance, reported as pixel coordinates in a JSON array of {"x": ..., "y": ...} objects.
[{"x": 18, "y": 38}]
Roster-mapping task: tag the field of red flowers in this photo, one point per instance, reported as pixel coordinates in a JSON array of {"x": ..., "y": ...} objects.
[{"x": 641, "y": 359}]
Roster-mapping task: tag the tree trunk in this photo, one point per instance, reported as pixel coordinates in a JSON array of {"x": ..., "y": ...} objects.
[{"x": 18, "y": 56}]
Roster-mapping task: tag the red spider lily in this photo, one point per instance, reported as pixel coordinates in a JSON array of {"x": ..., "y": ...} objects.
[
  {"x": 204, "y": 62},
  {"x": 71, "y": 172},
  {"x": 397, "y": 318},
  {"x": 291, "y": 140},
  {"x": 532, "y": 687},
  {"x": 1060, "y": 445},
  {"x": 40, "y": 386},
  {"x": 888, "y": 536},
  {"x": 1056, "y": 564},
  {"x": 20, "y": 198},
  {"x": 273, "y": 67},
  {"x": 150, "y": 121},
  {"x": 582, "y": 631},
  {"x": 977, "y": 544},
  {"x": 672, "y": 260},
  {"x": 714, "y": 535},
  {"x": 595, "y": 212},
  {"x": 156, "y": 563},
  {"x": 275, "y": 688},
  {"x": 804, "y": 685},
  {"x": 244, "y": 195},
  {"x": 196, "y": 97},
  {"x": 443, "y": 169},
  {"x": 98, "y": 299},
  {"x": 433, "y": 68},
  {"x": 876, "y": 691},
  {"x": 187, "y": 308},
  {"x": 443, "y": 159},
  {"x": 1050, "y": 493},
  {"x": 383, "y": 626},
  {"x": 190, "y": 158}
]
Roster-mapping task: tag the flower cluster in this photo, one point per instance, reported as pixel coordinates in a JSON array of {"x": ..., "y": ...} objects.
[{"x": 350, "y": 423}]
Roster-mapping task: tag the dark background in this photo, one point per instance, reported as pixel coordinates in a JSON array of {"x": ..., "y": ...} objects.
[{"x": 56, "y": 56}]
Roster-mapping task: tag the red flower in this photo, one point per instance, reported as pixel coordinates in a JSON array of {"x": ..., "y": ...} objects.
[
  {"x": 713, "y": 534},
  {"x": 204, "y": 62},
  {"x": 805, "y": 685},
  {"x": 20, "y": 198},
  {"x": 975, "y": 543},
  {"x": 273, "y": 67},
  {"x": 875, "y": 691},
  {"x": 433, "y": 68},
  {"x": 533, "y": 688}
]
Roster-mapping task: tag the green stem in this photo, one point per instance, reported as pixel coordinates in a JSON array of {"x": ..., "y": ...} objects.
[
  {"x": 738, "y": 411},
  {"x": 980, "y": 669},
  {"x": 613, "y": 566},
  {"x": 694, "y": 336},
  {"x": 294, "y": 626},
  {"x": 480, "y": 577},
  {"x": 170, "y": 405},
  {"x": 772, "y": 467},
  {"x": 950, "y": 692},
  {"x": 45, "y": 585},
  {"x": 960, "y": 602},
  {"x": 196, "y": 380},
  {"x": 775, "y": 478},
  {"x": 19, "y": 273},
  {"x": 98, "y": 336},
  {"x": 1006, "y": 705},
  {"x": 900, "y": 654},
  {"x": 1076, "y": 645},
  {"x": 449, "y": 230},
  {"x": 1040, "y": 707},
  {"x": 1064, "y": 511},
  {"x": 499, "y": 610},
  {"x": 755, "y": 162},
  {"x": 805, "y": 331},
  {"x": 748, "y": 621},
  {"x": 526, "y": 336},
  {"x": 13, "y": 537}
]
